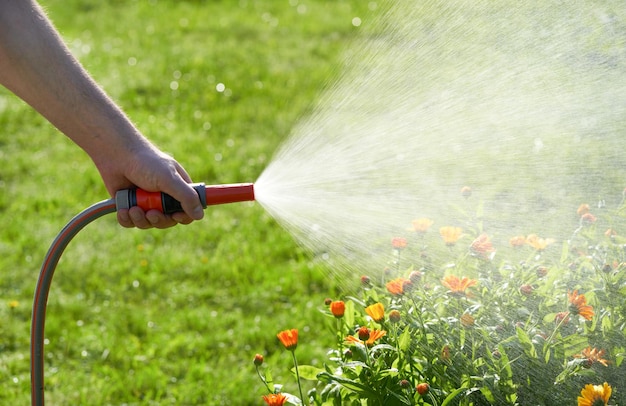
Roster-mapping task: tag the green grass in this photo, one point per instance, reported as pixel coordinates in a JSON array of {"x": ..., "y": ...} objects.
[{"x": 167, "y": 316}]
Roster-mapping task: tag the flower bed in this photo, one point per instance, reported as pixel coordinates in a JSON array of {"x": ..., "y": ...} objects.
[{"x": 536, "y": 322}]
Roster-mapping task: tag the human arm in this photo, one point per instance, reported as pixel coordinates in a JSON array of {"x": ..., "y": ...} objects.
[{"x": 36, "y": 65}]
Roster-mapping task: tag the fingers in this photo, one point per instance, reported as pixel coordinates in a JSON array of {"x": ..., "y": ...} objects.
[
  {"x": 136, "y": 217},
  {"x": 188, "y": 198}
]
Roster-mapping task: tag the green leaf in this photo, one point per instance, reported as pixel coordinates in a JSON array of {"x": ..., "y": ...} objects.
[
  {"x": 404, "y": 341},
  {"x": 348, "y": 384},
  {"x": 451, "y": 396},
  {"x": 526, "y": 343},
  {"x": 308, "y": 372},
  {"x": 348, "y": 314}
]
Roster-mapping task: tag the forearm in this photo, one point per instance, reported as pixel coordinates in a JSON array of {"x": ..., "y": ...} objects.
[{"x": 38, "y": 67}]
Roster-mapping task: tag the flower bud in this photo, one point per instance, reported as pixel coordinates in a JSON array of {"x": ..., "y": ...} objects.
[
  {"x": 258, "y": 360},
  {"x": 415, "y": 276},
  {"x": 466, "y": 192},
  {"x": 363, "y": 333},
  {"x": 526, "y": 290},
  {"x": 365, "y": 280},
  {"x": 422, "y": 388},
  {"x": 337, "y": 308},
  {"x": 395, "y": 316}
]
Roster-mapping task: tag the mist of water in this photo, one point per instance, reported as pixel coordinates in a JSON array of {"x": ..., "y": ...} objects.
[{"x": 524, "y": 102}]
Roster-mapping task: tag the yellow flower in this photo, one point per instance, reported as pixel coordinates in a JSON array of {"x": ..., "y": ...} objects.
[
  {"x": 450, "y": 235},
  {"x": 578, "y": 305},
  {"x": 538, "y": 243},
  {"x": 289, "y": 338},
  {"x": 421, "y": 225},
  {"x": 376, "y": 312},
  {"x": 595, "y": 395},
  {"x": 13, "y": 304},
  {"x": 458, "y": 287}
]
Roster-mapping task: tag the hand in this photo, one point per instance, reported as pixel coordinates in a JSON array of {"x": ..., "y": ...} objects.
[{"x": 153, "y": 171}]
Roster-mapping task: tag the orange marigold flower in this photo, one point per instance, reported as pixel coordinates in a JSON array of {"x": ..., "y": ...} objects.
[
  {"x": 396, "y": 286},
  {"x": 593, "y": 355},
  {"x": 578, "y": 305},
  {"x": 372, "y": 336},
  {"x": 595, "y": 395},
  {"x": 421, "y": 225},
  {"x": 517, "y": 241},
  {"x": 583, "y": 209},
  {"x": 588, "y": 219},
  {"x": 458, "y": 287},
  {"x": 538, "y": 243},
  {"x": 275, "y": 399},
  {"x": 450, "y": 235},
  {"x": 337, "y": 308},
  {"x": 376, "y": 312},
  {"x": 482, "y": 246},
  {"x": 398, "y": 243},
  {"x": 289, "y": 338}
]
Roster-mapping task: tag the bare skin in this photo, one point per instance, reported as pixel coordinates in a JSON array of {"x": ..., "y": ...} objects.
[{"x": 37, "y": 66}]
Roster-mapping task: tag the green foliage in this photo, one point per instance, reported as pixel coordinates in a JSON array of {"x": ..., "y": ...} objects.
[{"x": 525, "y": 324}]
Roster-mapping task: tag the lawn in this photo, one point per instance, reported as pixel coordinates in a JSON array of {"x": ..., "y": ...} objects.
[{"x": 174, "y": 316}]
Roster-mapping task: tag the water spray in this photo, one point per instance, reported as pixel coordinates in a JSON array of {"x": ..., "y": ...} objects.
[{"x": 209, "y": 195}]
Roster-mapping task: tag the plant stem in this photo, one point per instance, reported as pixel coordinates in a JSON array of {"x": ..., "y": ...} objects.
[
  {"x": 263, "y": 380},
  {"x": 295, "y": 363}
]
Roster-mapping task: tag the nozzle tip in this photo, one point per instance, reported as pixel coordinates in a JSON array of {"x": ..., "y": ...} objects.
[{"x": 229, "y": 193}]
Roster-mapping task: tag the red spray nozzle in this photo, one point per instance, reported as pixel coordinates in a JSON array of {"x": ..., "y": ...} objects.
[
  {"x": 209, "y": 196},
  {"x": 229, "y": 193}
]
